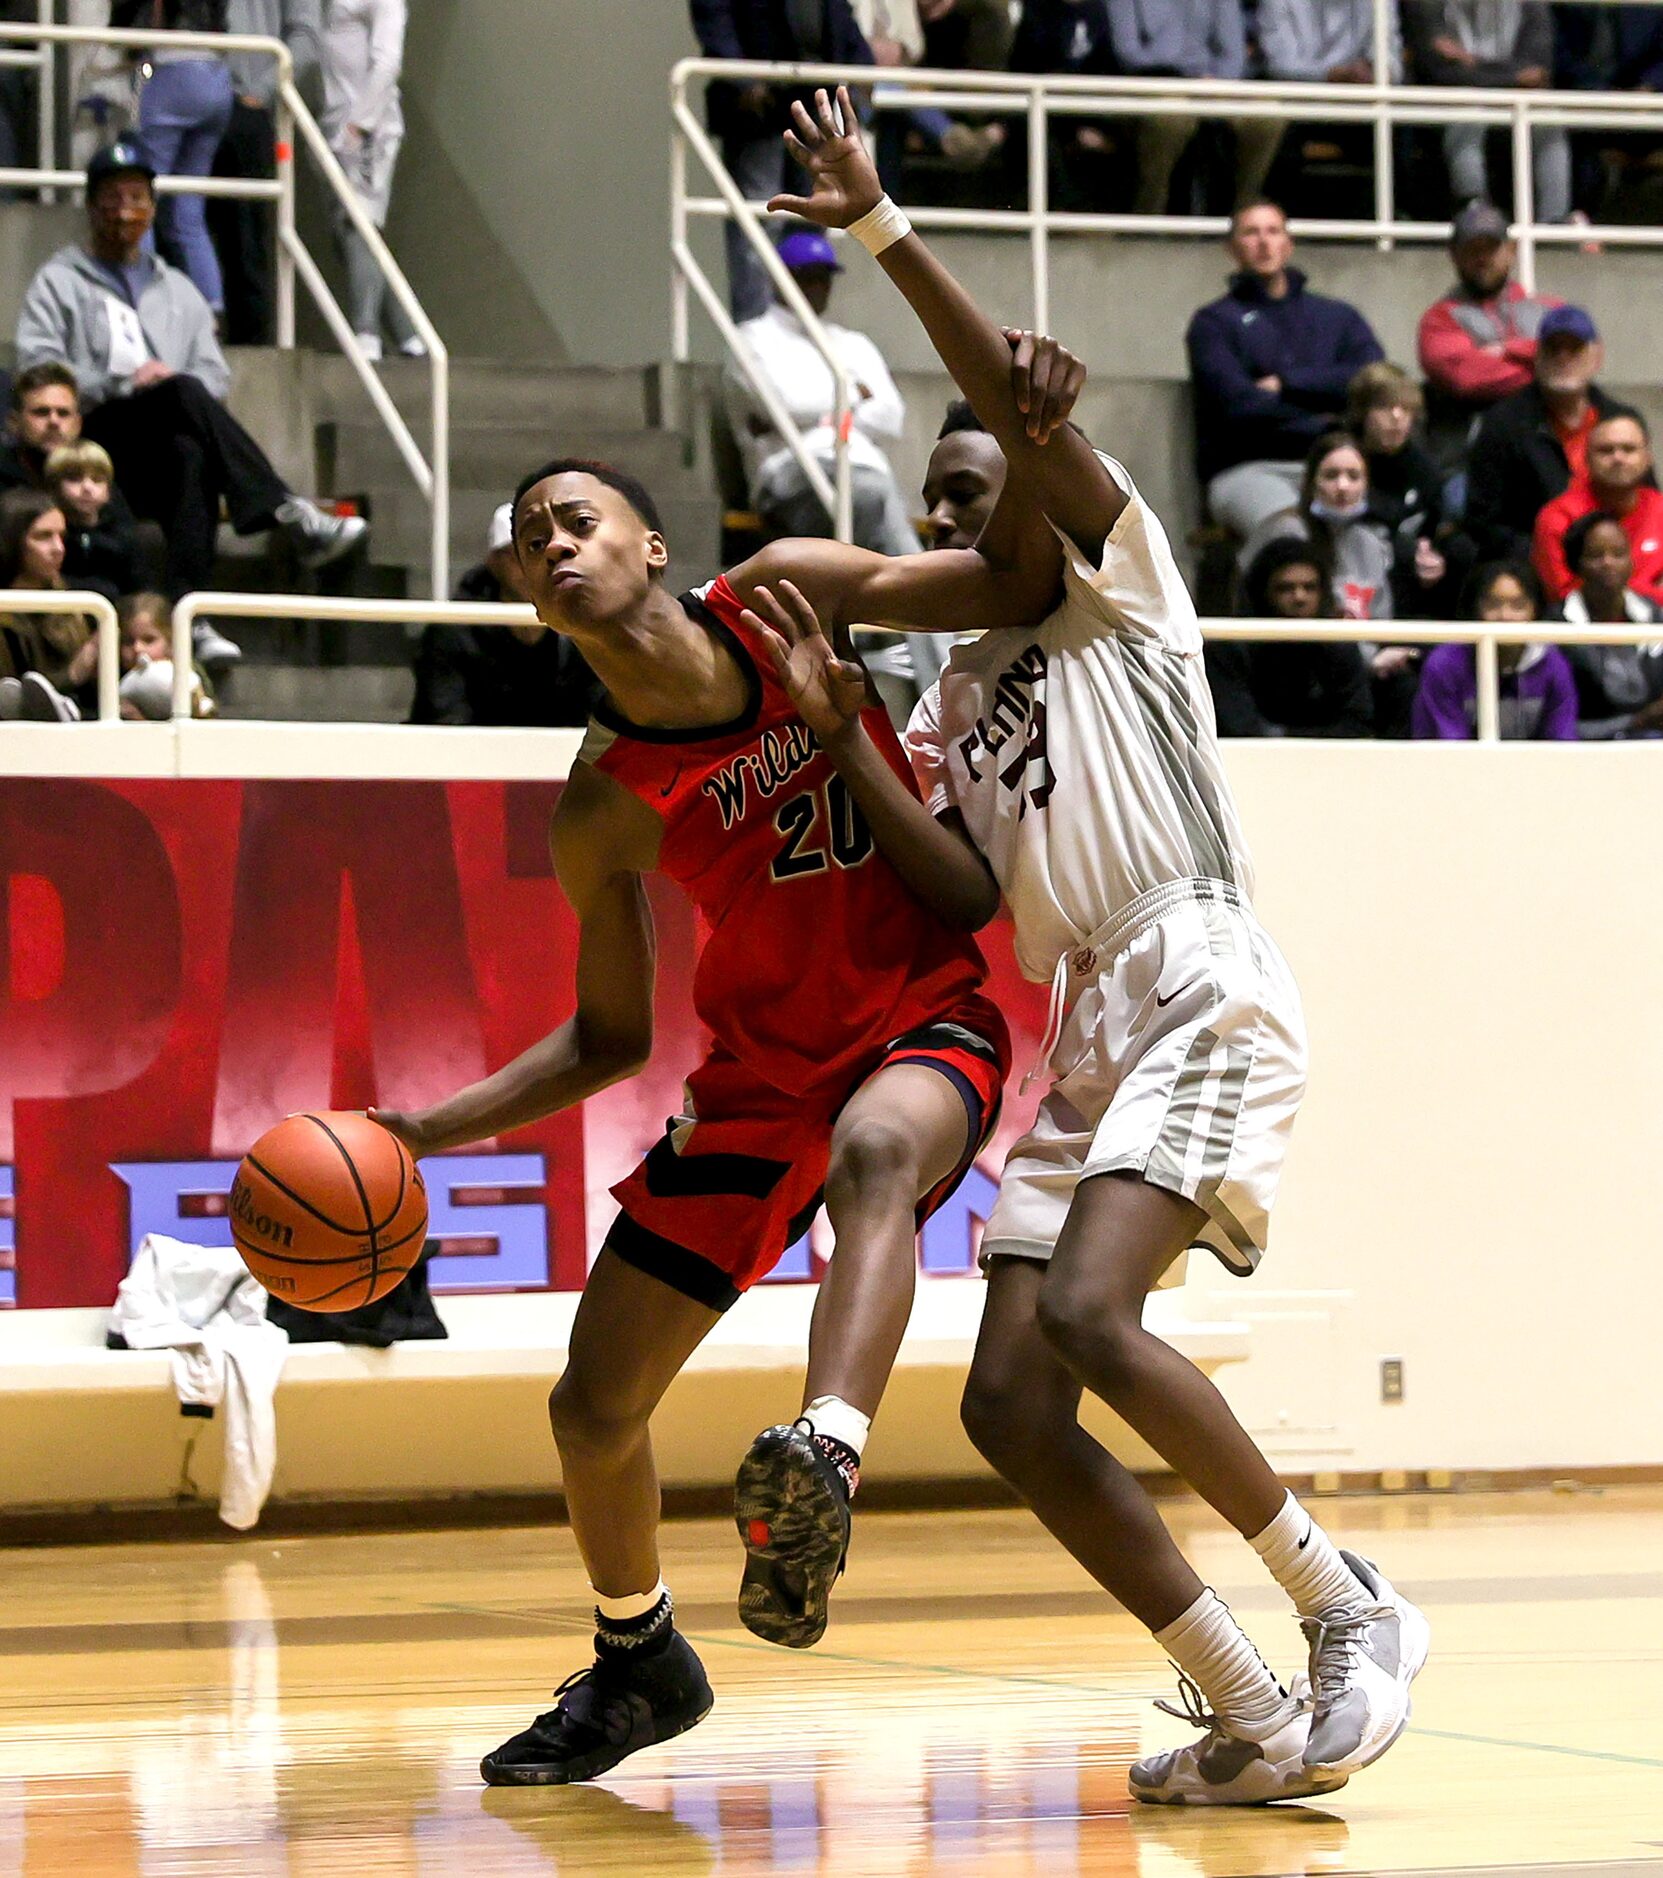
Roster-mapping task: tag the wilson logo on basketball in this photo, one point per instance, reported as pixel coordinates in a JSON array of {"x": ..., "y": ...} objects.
[{"x": 244, "y": 1210}]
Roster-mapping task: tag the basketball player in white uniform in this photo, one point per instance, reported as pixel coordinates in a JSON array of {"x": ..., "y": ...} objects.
[{"x": 1080, "y": 760}]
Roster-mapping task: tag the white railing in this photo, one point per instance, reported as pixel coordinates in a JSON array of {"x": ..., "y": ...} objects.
[
  {"x": 1039, "y": 99},
  {"x": 431, "y": 475},
  {"x": 92, "y": 605}
]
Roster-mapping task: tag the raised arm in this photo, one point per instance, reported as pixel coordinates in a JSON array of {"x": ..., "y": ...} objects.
[
  {"x": 602, "y": 841},
  {"x": 1064, "y": 473}
]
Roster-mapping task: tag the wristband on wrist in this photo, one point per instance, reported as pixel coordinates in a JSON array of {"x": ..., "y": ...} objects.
[{"x": 880, "y": 227}]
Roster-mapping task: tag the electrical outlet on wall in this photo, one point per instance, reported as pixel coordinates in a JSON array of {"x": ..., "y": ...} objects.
[{"x": 1391, "y": 1379}]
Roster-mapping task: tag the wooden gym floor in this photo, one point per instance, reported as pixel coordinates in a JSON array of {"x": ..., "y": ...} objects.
[{"x": 317, "y": 1706}]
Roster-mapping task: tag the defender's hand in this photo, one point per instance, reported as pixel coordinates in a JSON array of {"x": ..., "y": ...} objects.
[
  {"x": 828, "y": 692},
  {"x": 830, "y": 147},
  {"x": 1047, "y": 379}
]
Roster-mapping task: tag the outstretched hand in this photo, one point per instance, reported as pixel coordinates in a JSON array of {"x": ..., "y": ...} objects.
[
  {"x": 830, "y": 147},
  {"x": 829, "y": 692},
  {"x": 1047, "y": 379}
]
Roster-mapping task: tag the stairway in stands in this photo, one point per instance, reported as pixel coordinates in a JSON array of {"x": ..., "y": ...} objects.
[{"x": 505, "y": 419}]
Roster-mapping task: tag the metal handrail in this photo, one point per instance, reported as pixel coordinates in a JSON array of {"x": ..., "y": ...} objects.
[
  {"x": 1485, "y": 637},
  {"x": 293, "y": 116},
  {"x": 72, "y": 600}
]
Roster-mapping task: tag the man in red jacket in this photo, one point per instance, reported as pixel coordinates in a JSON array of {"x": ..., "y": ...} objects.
[
  {"x": 1478, "y": 343},
  {"x": 1619, "y": 461}
]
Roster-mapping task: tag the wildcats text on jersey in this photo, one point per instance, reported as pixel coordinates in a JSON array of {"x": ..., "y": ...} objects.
[
  {"x": 1016, "y": 719},
  {"x": 776, "y": 759}
]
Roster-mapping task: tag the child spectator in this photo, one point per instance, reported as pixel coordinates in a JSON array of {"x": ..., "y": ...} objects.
[
  {"x": 1333, "y": 511},
  {"x": 1289, "y": 687},
  {"x": 1619, "y": 465},
  {"x": 1619, "y": 689},
  {"x": 1431, "y": 557},
  {"x": 48, "y": 661},
  {"x": 100, "y": 550},
  {"x": 147, "y": 661},
  {"x": 1538, "y": 694}
]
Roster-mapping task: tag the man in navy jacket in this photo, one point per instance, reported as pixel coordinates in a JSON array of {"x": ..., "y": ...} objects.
[
  {"x": 748, "y": 118},
  {"x": 1270, "y": 364}
]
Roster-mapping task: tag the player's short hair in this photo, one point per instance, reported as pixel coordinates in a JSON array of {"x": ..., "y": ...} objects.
[
  {"x": 959, "y": 417},
  {"x": 82, "y": 458},
  {"x": 38, "y": 377},
  {"x": 1286, "y": 551},
  {"x": 1487, "y": 573},
  {"x": 1575, "y": 542},
  {"x": 633, "y": 492}
]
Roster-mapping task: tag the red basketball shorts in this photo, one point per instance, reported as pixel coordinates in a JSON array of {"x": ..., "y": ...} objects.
[{"x": 738, "y": 1179}]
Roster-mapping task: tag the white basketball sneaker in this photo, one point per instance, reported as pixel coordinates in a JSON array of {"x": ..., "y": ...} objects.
[
  {"x": 1222, "y": 1769},
  {"x": 1361, "y": 1667}
]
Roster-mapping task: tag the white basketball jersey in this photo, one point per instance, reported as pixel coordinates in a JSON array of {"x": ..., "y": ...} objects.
[{"x": 1082, "y": 753}]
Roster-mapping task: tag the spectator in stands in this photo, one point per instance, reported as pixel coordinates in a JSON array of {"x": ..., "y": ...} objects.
[
  {"x": 1619, "y": 689},
  {"x": 1333, "y": 514},
  {"x": 1071, "y": 38},
  {"x": 895, "y": 32},
  {"x": 16, "y": 102},
  {"x": 101, "y": 549},
  {"x": 1433, "y": 558},
  {"x": 1281, "y": 687},
  {"x": 1538, "y": 695},
  {"x": 146, "y": 622},
  {"x": 966, "y": 35},
  {"x": 1188, "y": 39},
  {"x": 500, "y": 674},
  {"x": 747, "y": 119},
  {"x": 1619, "y": 485},
  {"x": 781, "y": 351},
  {"x": 1325, "y": 41},
  {"x": 184, "y": 107},
  {"x": 243, "y": 231},
  {"x": 1507, "y": 46},
  {"x": 140, "y": 340},
  {"x": 1530, "y": 447},
  {"x": 1270, "y": 364},
  {"x": 1478, "y": 343},
  {"x": 48, "y": 661},
  {"x": 45, "y": 412},
  {"x": 363, "y": 118}
]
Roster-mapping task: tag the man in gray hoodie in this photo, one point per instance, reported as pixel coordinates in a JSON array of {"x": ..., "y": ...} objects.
[{"x": 139, "y": 338}]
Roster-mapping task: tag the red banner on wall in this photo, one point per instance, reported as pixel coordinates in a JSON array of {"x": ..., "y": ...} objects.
[{"x": 189, "y": 961}]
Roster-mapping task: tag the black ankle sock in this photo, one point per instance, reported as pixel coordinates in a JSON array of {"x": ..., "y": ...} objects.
[
  {"x": 843, "y": 1458},
  {"x": 635, "y": 1639}
]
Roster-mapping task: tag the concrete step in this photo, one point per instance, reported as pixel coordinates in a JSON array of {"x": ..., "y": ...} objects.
[
  {"x": 357, "y": 453},
  {"x": 328, "y": 694},
  {"x": 30, "y": 233},
  {"x": 490, "y": 391}
]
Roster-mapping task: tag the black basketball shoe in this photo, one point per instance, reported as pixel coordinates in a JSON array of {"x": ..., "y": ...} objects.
[
  {"x": 791, "y": 1504},
  {"x": 614, "y": 1708}
]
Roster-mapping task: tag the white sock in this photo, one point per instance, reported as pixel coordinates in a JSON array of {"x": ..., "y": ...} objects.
[
  {"x": 1213, "y": 1650},
  {"x": 831, "y": 1416},
  {"x": 636, "y": 1604},
  {"x": 1306, "y": 1563}
]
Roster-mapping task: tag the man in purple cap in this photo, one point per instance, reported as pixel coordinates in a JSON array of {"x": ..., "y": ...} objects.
[
  {"x": 1478, "y": 343},
  {"x": 781, "y": 349},
  {"x": 1533, "y": 446}
]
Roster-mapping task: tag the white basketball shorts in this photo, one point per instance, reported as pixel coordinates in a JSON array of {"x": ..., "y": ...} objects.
[{"x": 1181, "y": 1058}]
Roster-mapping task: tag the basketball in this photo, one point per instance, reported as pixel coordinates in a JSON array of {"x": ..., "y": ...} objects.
[{"x": 328, "y": 1210}]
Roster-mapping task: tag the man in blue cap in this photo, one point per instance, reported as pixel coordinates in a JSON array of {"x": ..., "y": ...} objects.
[
  {"x": 1533, "y": 446},
  {"x": 782, "y": 351},
  {"x": 139, "y": 337}
]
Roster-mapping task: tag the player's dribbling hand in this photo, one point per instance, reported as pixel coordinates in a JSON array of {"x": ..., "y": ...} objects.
[
  {"x": 830, "y": 147},
  {"x": 407, "y": 1127},
  {"x": 1047, "y": 379},
  {"x": 827, "y": 691}
]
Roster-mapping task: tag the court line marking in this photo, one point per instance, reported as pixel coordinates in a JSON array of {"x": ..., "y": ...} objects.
[{"x": 1079, "y": 1688}]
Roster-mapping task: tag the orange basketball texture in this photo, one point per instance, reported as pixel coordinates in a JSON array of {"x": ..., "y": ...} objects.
[{"x": 328, "y": 1210}]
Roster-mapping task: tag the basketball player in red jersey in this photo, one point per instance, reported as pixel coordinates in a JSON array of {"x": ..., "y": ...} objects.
[{"x": 852, "y": 1054}]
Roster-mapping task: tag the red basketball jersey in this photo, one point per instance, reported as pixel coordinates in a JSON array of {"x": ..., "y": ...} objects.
[{"x": 818, "y": 954}]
